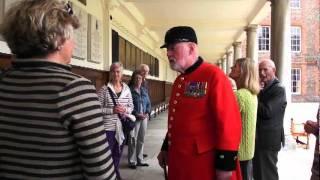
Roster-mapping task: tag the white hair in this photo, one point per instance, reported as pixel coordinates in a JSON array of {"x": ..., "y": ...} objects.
[
  {"x": 143, "y": 67},
  {"x": 268, "y": 62}
]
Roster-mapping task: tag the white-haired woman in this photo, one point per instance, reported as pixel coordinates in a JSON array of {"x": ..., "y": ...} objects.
[{"x": 113, "y": 112}]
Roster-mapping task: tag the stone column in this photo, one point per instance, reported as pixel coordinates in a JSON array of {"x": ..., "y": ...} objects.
[
  {"x": 229, "y": 61},
  {"x": 107, "y": 6},
  {"x": 251, "y": 42},
  {"x": 280, "y": 36},
  {"x": 281, "y": 50},
  {"x": 224, "y": 64},
  {"x": 236, "y": 51},
  {"x": 221, "y": 63}
]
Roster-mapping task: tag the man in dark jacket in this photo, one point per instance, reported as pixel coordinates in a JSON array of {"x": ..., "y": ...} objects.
[{"x": 270, "y": 134}]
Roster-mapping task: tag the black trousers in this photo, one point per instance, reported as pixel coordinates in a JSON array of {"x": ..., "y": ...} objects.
[
  {"x": 265, "y": 165},
  {"x": 246, "y": 169}
]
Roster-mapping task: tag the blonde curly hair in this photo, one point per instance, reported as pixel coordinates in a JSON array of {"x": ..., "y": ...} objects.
[{"x": 35, "y": 28}]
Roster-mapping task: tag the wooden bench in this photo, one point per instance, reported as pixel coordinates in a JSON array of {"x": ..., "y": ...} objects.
[{"x": 297, "y": 131}]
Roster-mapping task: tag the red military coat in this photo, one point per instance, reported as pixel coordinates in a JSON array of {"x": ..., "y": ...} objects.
[{"x": 203, "y": 120}]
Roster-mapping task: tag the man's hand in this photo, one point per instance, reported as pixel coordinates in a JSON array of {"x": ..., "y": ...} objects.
[
  {"x": 223, "y": 175},
  {"x": 163, "y": 158},
  {"x": 311, "y": 127}
]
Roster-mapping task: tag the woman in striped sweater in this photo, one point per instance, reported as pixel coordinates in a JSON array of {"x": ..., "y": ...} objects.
[
  {"x": 51, "y": 123},
  {"x": 245, "y": 74},
  {"x": 112, "y": 113}
]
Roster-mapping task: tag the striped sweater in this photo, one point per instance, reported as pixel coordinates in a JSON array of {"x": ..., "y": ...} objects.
[
  {"x": 125, "y": 99},
  {"x": 51, "y": 125}
]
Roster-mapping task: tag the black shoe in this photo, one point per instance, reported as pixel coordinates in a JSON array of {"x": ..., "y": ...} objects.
[
  {"x": 145, "y": 155},
  {"x": 143, "y": 164},
  {"x": 132, "y": 166}
]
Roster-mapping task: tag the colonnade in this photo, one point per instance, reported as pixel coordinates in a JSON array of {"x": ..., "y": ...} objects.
[
  {"x": 280, "y": 43},
  {"x": 280, "y": 51}
]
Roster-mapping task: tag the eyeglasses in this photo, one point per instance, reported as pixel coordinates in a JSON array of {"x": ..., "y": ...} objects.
[{"x": 68, "y": 8}]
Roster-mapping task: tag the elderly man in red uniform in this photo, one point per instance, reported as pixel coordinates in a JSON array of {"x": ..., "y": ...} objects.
[{"x": 204, "y": 125}]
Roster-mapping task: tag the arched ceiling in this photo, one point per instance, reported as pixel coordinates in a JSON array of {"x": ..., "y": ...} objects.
[{"x": 218, "y": 23}]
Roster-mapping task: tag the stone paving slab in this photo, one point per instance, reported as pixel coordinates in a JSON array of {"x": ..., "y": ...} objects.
[
  {"x": 294, "y": 162},
  {"x": 153, "y": 141}
]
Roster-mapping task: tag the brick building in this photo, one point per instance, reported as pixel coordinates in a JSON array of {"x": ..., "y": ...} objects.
[{"x": 305, "y": 49}]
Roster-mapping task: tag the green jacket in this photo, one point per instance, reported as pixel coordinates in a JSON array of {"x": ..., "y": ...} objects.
[{"x": 248, "y": 104}]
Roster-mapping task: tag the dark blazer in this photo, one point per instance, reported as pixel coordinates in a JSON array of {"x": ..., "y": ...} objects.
[{"x": 271, "y": 108}]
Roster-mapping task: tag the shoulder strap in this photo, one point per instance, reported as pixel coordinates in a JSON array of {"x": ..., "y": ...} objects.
[{"x": 112, "y": 96}]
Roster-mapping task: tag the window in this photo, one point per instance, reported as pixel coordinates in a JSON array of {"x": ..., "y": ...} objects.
[
  {"x": 264, "y": 38},
  {"x": 157, "y": 68},
  {"x": 122, "y": 51},
  {"x": 296, "y": 81},
  {"x": 295, "y": 4},
  {"x": 126, "y": 64},
  {"x": 132, "y": 63},
  {"x": 1, "y": 14},
  {"x": 138, "y": 58},
  {"x": 1, "y": 9},
  {"x": 131, "y": 56},
  {"x": 295, "y": 39}
]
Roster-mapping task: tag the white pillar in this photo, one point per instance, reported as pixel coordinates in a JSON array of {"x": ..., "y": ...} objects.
[
  {"x": 236, "y": 51},
  {"x": 252, "y": 52},
  {"x": 229, "y": 61},
  {"x": 281, "y": 49},
  {"x": 221, "y": 64},
  {"x": 107, "y": 6},
  {"x": 280, "y": 36},
  {"x": 224, "y": 64}
]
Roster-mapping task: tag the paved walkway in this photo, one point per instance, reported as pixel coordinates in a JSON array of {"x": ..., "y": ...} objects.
[
  {"x": 153, "y": 141},
  {"x": 294, "y": 162}
]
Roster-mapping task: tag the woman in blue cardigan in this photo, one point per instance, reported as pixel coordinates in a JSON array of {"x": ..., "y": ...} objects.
[
  {"x": 142, "y": 108},
  {"x": 245, "y": 73}
]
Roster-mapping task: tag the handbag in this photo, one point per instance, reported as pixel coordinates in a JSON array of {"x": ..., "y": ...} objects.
[{"x": 127, "y": 123}]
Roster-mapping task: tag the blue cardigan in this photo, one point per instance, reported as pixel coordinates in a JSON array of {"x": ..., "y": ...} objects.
[{"x": 138, "y": 99}]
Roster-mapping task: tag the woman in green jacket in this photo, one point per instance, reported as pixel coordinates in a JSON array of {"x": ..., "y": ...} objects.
[{"x": 245, "y": 73}]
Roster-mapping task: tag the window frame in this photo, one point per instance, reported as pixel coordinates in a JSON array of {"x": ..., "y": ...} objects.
[
  {"x": 295, "y": 4},
  {"x": 293, "y": 30},
  {"x": 132, "y": 56},
  {"x": 296, "y": 81},
  {"x": 262, "y": 35}
]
